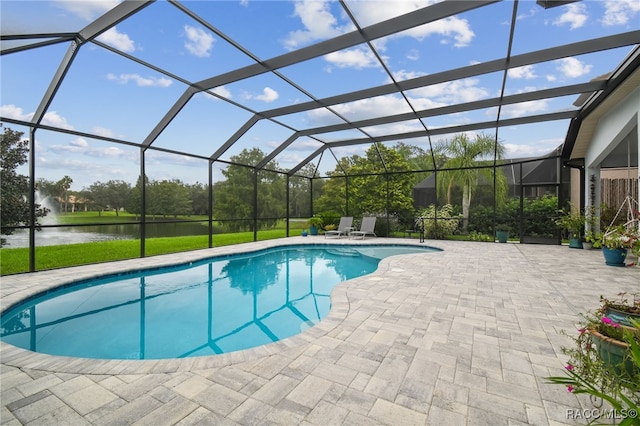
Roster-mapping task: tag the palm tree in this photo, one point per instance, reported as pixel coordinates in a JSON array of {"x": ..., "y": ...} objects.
[{"x": 462, "y": 169}]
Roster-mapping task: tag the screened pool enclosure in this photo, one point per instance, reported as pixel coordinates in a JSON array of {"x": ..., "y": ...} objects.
[{"x": 219, "y": 122}]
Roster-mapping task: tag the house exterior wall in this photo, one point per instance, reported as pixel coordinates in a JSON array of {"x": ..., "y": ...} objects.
[{"x": 611, "y": 129}]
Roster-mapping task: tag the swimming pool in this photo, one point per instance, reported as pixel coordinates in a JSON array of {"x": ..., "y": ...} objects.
[{"x": 213, "y": 306}]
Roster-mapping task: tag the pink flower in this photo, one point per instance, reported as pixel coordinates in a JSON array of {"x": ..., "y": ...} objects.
[
  {"x": 581, "y": 331},
  {"x": 610, "y": 322},
  {"x": 570, "y": 388},
  {"x": 569, "y": 367}
]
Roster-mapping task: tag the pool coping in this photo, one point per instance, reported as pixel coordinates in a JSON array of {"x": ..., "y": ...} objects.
[{"x": 16, "y": 291}]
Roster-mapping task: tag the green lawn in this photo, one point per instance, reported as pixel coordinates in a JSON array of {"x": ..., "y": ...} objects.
[
  {"x": 108, "y": 217},
  {"x": 16, "y": 260}
]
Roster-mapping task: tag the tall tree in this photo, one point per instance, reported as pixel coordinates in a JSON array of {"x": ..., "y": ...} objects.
[
  {"x": 64, "y": 185},
  {"x": 199, "y": 194},
  {"x": 466, "y": 157},
  {"x": 376, "y": 184},
  {"x": 14, "y": 187},
  {"x": 300, "y": 191},
  {"x": 112, "y": 194},
  {"x": 233, "y": 198},
  {"x": 380, "y": 185}
]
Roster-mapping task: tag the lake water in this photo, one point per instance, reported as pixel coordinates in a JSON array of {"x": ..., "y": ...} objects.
[{"x": 93, "y": 233}]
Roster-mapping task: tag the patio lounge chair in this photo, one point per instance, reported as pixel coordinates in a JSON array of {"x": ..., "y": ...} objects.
[
  {"x": 343, "y": 228},
  {"x": 367, "y": 228}
]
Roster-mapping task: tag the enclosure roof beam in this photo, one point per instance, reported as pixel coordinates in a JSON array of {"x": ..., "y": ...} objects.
[
  {"x": 468, "y": 106},
  {"x": 553, "y": 53},
  {"x": 50, "y": 39},
  {"x": 169, "y": 116},
  {"x": 563, "y": 115},
  {"x": 55, "y": 83},
  {"x": 237, "y": 135},
  {"x": 277, "y": 151},
  {"x": 391, "y": 26},
  {"x": 313, "y": 155},
  {"x": 112, "y": 17}
]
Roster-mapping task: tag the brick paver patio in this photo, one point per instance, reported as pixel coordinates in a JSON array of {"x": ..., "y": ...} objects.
[{"x": 459, "y": 337}]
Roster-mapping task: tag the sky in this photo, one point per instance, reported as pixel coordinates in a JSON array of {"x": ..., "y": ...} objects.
[{"x": 108, "y": 95}]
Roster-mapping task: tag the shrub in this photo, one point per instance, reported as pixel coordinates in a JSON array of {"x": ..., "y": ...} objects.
[{"x": 437, "y": 224}]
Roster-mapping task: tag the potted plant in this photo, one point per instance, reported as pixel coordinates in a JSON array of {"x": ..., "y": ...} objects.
[
  {"x": 502, "y": 233},
  {"x": 622, "y": 311},
  {"x": 590, "y": 216},
  {"x": 597, "y": 240},
  {"x": 315, "y": 223},
  {"x": 616, "y": 386},
  {"x": 604, "y": 359},
  {"x": 617, "y": 242},
  {"x": 589, "y": 240},
  {"x": 572, "y": 221}
]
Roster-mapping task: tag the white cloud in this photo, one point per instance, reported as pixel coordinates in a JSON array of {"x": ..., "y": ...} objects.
[
  {"x": 87, "y": 9},
  {"x": 110, "y": 151},
  {"x": 575, "y": 15},
  {"x": 452, "y": 28},
  {"x": 357, "y": 58},
  {"x": 525, "y": 72},
  {"x": 449, "y": 92},
  {"x": 79, "y": 142},
  {"x": 437, "y": 95},
  {"x": 222, "y": 91},
  {"x": 521, "y": 109},
  {"x": 139, "y": 80},
  {"x": 199, "y": 42},
  {"x": 318, "y": 22},
  {"x": 51, "y": 118},
  {"x": 361, "y": 109},
  {"x": 540, "y": 148},
  {"x": 268, "y": 95},
  {"x": 65, "y": 164},
  {"x": 101, "y": 131},
  {"x": 413, "y": 55},
  {"x": 531, "y": 12},
  {"x": 81, "y": 146},
  {"x": 449, "y": 28},
  {"x": 119, "y": 40},
  {"x": 12, "y": 111},
  {"x": 572, "y": 67},
  {"x": 161, "y": 158},
  {"x": 620, "y": 12}
]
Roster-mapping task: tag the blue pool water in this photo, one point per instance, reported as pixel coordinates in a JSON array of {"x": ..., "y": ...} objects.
[{"x": 213, "y": 306}]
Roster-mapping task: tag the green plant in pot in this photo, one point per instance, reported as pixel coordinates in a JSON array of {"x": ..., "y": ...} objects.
[
  {"x": 315, "y": 223},
  {"x": 502, "y": 233},
  {"x": 617, "y": 242},
  {"x": 589, "y": 240},
  {"x": 571, "y": 221},
  {"x": 604, "y": 360},
  {"x": 591, "y": 217},
  {"x": 622, "y": 311}
]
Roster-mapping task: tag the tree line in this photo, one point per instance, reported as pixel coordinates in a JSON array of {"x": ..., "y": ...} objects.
[{"x": 380, "y": 182}]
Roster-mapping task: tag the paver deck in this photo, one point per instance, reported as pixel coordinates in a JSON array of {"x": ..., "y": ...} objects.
[{"x": 459, "y": 337}]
